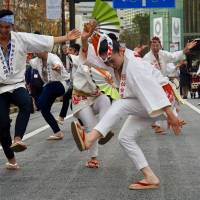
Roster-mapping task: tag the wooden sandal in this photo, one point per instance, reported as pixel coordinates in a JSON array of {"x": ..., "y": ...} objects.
[
  {"x": 143, "y": 186},
  {"x": 79, "y": 135},
  {"x": 92, "y": 164}
]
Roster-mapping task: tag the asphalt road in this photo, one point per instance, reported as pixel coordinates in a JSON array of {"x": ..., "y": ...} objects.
[{"x": 54, "y": 170}]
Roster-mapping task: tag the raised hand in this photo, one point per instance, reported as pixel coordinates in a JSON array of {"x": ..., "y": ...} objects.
[
  {"x": 74, "y": 34},
  {"x": 88, "y": 29},
  {"x": 189, "y": 46}
]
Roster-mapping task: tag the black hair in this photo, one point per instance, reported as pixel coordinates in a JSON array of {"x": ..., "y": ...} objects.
[
  {"x": 5, "y": 12},
  {"x": 104, "y": 47},
  {"x": 112, "y": 36},
  {"x": 37, "y": 32},
  {"x": 75, "y": 46}
]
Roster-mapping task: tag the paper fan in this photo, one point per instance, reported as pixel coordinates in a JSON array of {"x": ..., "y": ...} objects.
[
  {"x": 103, "y": 80},
  {"x": 109, "y": 91},
  {"x": 106, "y": 16}
]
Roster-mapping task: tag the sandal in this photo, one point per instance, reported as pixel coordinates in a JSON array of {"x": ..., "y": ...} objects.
[
  {"x": 56, "y": 137},
  {"x": 106, "y": 139},
  {"x": 92, "y": 164},
  {"x": 143, "y": 186},
  {"x": 79, "y": 135},
  {"x": 10, "y": 166},
  {"x": 18, "y": 146},
  {"x": 160, "y": 131}
]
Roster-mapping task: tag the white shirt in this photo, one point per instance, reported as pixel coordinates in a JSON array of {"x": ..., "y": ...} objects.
[
  {"x": 53, "y": 75},
  {"x": 21, "y": 44},
  {"x": 165, "y": 57}
]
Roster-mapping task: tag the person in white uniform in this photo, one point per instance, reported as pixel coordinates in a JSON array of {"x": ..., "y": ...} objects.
[
  {"x": 89, "y": 104},
  {"x": 160, "y": 59},
  {"x": 14, "y": 47},
  {"x": 143, "y": 100}
]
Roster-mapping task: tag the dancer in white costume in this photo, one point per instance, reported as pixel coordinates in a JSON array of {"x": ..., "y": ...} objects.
[
  {"x": 160, "y": 59},
  {"x": 143, "y": 99},
  {"x": 14, "y": 47},
  {"x": 87, "y": 103}
]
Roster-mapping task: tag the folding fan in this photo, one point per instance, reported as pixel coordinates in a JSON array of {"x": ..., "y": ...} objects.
[
  {"x": 104, "y": 82},
  {"x": 106, "y": 16}
]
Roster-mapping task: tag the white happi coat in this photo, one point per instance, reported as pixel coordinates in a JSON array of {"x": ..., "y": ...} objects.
[
  {"x": 85, "y": 83},
  {"x": 165, "y": 57},
  {"x": 139, "y": 80},
  {"x": 21, "y": 44},
  {"x": 52, "y": 75}
]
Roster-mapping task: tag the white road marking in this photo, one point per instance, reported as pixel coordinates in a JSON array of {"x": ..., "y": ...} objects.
[
  {"x": 39, "y": 130},
  {"x": 192, "y": 107}
]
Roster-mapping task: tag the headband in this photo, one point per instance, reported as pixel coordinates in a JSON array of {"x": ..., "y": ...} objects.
[
  {"x": 7, "y": 19},
  {"x": 97, "y": 38}
]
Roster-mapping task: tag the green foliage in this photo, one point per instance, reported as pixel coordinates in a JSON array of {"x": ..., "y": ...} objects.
[{"x": 139, "y": 33}]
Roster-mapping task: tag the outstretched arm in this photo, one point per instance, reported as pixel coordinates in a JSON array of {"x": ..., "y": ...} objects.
[{"x": 72, "y": 35}]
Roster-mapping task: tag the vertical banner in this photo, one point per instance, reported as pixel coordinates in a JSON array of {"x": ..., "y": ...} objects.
[
  {"x": 53, "y": 9},
  {"x": 158, "y": 28},
  {"x": 176, "y": 30}
]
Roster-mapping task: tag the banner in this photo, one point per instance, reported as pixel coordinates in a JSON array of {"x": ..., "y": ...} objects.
[
  {"x": 158, "y": 28},
  {"x": 144, "y": 3},
  {"x": 53, "y": 9},
  {"x": 176, "y": 29}
]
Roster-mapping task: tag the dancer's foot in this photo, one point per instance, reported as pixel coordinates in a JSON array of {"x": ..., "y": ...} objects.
[
  {"x": 57, "y": 136},
  {"x": 160, "y": 131},
  {"x": 144, "y": 185},
  {"x": 93, "y": 163},
  {"x": 79, "y": 136},
  {"x": 18, "y": 145},
  {"x": 11, "y": 166}
]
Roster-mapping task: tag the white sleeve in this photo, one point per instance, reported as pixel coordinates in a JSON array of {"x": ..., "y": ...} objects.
[
  {"x": 148, "y": 90},
  {"x": 170, "y": 68},
  {"x": 76, "y": 60},
  {"x": 147, "y": 58},
  {"x": 36, "y": 43},
  {"x": 173, "y": 57}
]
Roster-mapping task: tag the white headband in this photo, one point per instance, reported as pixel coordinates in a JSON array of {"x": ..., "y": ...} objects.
[{"x": 7, "y": 19}]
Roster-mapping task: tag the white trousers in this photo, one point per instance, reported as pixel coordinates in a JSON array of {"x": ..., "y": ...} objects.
[
  {"x": 138, "y": 119},
  {"x": 88, "y": 116}
]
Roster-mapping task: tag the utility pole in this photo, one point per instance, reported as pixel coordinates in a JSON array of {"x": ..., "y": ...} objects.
[
  {"x": 72, "y": 15},
  {"x": 63, "y": 57}
]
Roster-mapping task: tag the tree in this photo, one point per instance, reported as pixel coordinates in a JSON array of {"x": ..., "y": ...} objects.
[
  {"x": 139, "y": 33},
  {"x": 30, "y": 16},
  {"x": 141, "y": 23}
]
